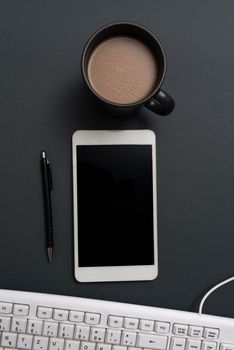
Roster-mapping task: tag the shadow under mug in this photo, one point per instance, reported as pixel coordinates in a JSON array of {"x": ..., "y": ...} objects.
[{"x": 158, "y": 100}]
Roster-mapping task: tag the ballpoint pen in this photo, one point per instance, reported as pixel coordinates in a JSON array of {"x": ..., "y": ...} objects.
[{"x": 47, "y": 188}]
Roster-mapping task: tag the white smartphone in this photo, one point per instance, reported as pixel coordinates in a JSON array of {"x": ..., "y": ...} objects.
[{"x": 114, "y": 199}]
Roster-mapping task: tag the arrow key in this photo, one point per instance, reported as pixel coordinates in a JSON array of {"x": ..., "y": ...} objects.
[{"x": 152, "y": 341}]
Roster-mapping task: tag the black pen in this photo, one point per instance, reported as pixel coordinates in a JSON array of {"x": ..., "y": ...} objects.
[{"x": 47, "y": 188}]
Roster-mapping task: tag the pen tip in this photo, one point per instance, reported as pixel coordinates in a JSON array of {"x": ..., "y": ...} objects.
[
  {"x": 43, "y": 154},
  {"x": 50, "y": 254}
]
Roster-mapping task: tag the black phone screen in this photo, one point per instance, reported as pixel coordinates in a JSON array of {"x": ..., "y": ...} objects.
[{"x": 115, "y": 205}]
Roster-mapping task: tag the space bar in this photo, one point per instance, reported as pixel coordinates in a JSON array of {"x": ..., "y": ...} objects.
[{"x": 151, "y": 341}]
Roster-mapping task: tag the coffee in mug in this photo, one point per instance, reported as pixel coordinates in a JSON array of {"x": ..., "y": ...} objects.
[{"x": 122, "y": 70}]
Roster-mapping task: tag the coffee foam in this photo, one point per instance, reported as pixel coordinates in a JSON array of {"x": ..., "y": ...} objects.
[{"x": 122, "y": 70}]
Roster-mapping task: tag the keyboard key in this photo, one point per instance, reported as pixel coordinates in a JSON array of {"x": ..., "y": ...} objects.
[
  {"x": 66, "y": 331},
  {"x": 195, "y": 331},
  {"x": 152, "y": 341},
  {"x": 146, "y": 325},
  {"x": 193, "y": 344},
  {"x": 113, "y": 336},
  {"x": 103, "y": 347},
  {"x": 128, "y": 338},
  {"x": 20, "y": 310},
  {"x": 211, "y": 333},
  {"x": 34, "y": 327},
  {"x": 224, "y": 346},
  {"x": 24, "y": 341},
  {"x": 82, "y": 332},
  {"x": 72, "y": 345},
  {"x": 162, "y": 327},
  {"x": 208, "y": 345},
  {"x": 50, "y": 329},
  {"x": 56, "y": 344},
  {"x": 76, "y": 316},
  {"x": 92, "y": 318},
  {"x": 131, "y": 323},
  {"x": 5, "y": 308},
  {"x": 115, "y": 321},
  {"x": 5, "y": 323},
  {"x": 8, "y": 339},
  {"x": 87, "y": 346},
  {"x": 40, "y": 343},
  {"x": 18, "y": 325},
  {"x": 119, "y": 347},
  {"x": 60, "y": 315},
  {"x": 180, "y": 329},
  {"x": 97, "y": 334},
  {"x": 44, "y": 312},
  {"x": 177, "y": 344}
]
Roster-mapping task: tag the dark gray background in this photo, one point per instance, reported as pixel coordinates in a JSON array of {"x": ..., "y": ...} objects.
[{"x": 43, "y": 101}]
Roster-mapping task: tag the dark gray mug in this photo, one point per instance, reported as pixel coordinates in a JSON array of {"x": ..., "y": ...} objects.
[{"x": 158, "y": 100}]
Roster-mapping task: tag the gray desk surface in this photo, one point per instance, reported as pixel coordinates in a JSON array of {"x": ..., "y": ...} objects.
[{"x": 43, "y": 101}]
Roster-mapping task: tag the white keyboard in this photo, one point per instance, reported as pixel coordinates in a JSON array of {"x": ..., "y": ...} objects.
[{"x": 44, "y": 321}]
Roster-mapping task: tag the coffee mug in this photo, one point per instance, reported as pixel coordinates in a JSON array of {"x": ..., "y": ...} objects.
[{"x": 124, "y": 66}]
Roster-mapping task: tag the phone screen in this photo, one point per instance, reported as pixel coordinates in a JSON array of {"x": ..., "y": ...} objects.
[{"x": 115, "y": 205}]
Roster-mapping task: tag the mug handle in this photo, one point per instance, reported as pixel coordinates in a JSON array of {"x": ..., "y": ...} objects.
[{"x": 161, "y": 103}]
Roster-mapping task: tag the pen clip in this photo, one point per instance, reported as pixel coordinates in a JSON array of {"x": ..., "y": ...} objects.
[{"x": 49, "y": 174}]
